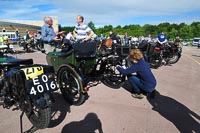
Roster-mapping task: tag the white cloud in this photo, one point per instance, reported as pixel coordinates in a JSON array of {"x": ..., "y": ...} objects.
[{"x": 100, "y": 12}]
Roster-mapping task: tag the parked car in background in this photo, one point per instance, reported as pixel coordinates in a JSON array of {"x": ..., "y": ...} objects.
[
  {"x": 185, "y": 43},
  {"x": 10, "y": 36},
  {"x": 195, "y": 41}
]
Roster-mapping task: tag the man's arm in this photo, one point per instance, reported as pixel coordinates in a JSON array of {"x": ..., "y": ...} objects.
[
  {"x": 58, "y": 33},
  {"x": 48, "y": 38},
  {"x": 89, "y": 36},
  {"x": 91, "y": 33},
  {"x": 129, "y": 70}
]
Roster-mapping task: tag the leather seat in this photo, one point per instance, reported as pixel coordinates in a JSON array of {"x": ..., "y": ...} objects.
[{"x": 9, "y": 60}]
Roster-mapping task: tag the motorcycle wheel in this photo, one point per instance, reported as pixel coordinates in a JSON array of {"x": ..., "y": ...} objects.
[
  {"x": 112, "y": 77},
  {"x": 155, "y": 62},
  {"x": 39, "y": 117},
  {"x": 175, "y": 58},
  {"x": 71, "y": 86},
  {"x": 39, "y": 46}
]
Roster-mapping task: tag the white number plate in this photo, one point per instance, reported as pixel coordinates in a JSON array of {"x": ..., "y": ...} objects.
[{"x": 40, "y": 85}]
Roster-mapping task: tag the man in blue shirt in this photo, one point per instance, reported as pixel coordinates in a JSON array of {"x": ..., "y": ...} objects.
[
  {"x": 48, "y": 34},
  {"x": 144, "y": 80},
  {"x": 162, "y": 38}
]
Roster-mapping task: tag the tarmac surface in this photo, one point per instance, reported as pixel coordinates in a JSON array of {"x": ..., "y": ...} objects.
[{"x": 176, "y": 108}]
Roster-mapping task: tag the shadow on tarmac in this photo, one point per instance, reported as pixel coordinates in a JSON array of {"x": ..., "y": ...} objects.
[
  {"x": 59, "y": 110},
  {"x": 90, "y": 124},
  {"x": 196, "y": 55},
  {"x": 185, "y": 120},
  {"x": 182, "y": 117}
]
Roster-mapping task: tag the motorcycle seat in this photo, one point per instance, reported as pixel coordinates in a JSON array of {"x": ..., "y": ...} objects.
[{"x": 9, "y": 60}]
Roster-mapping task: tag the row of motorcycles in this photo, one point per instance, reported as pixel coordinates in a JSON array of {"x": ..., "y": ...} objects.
[
  {"x": 156, "y": 56},
  {"x": 170, "y": 53},
  {"x": 29, "y": 87},
  {"x": 31, "y": 44}
]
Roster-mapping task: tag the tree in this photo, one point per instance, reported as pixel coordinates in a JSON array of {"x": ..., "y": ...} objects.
[
  {"x": 173, "y": 33},
  {"x": 67, "y": 29},
  {"x": 172, "y": 30},
  {"x": 163, "y": 27},
  {"x": 108, "y": 28},
  {"x": 91, "y": 25},
  {"x": 186, "y": 32},
  {"x": 150, "y": 29},
  {"x": 196, "y": 28}
]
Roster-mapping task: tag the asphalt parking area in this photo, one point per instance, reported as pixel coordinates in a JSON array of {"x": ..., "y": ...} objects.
[{"x": 175, "y": 108}]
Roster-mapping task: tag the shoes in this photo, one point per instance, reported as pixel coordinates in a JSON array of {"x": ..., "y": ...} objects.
[
  {"x": 43, "y": 50},
  {"x": 138, "y": 96},
  {"x": 152, "y": 94}
]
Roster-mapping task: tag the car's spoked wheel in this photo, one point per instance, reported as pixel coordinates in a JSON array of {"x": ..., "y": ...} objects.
[{"x": 71, "y": 85}]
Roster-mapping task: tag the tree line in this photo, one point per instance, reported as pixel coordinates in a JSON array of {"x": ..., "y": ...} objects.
[{"x": 184, "y": 31}]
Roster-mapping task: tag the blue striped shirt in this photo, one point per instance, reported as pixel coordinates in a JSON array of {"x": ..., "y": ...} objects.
[
  {"x": 48, "y": 33},
  {"x": 82, "y": 31}
]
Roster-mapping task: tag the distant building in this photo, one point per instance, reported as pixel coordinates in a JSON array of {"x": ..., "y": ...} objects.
[{"x": 22, "y": 26}]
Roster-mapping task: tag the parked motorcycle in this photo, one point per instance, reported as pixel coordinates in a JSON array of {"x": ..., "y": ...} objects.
[
  {"x": 27, "y": 87},
  {"x": 154, "y": 55},
  {"x": 172, "y": 53},
  {"x": 31, "y": 44},
  {"x": 6, "y": 46}
]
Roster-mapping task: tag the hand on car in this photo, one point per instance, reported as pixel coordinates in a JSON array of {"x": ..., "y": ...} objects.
[{"x": 56, "y": 39}]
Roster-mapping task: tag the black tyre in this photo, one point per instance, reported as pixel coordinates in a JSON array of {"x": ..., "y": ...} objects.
[
  {"x": 155, "y": 61},
  {"x": 40, "y": 117},
  {"x": 175, "y": 58},
  {"x": 71, "y": 85},
  {"x": 39, "y": 46},
  {"x": 112, "y": 78}
]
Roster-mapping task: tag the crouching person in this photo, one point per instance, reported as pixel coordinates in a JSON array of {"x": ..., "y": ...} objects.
[{"x": 143, "y": 82}]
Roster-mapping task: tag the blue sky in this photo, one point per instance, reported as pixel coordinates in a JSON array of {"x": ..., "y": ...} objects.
[{"x": 103, "y": 12}]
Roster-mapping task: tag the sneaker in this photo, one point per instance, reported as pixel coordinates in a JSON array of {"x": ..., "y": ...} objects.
[
  {"x": 43, "y": 50},
  {"x": 138, "y": 96},
  {"x": 152, "y": 94}
]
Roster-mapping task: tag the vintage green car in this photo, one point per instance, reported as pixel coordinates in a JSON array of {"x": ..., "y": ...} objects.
[{"x": 82, "y": 67}]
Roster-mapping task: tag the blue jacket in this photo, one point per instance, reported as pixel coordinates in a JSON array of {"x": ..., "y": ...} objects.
[
  {"x": 143, "y": 72},
  {"x": 161, "y": 37},
  {"x": 48, "y": 33}
]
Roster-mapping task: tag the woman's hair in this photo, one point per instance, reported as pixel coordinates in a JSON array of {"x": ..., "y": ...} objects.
[{"x": 136, "y": 54}]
